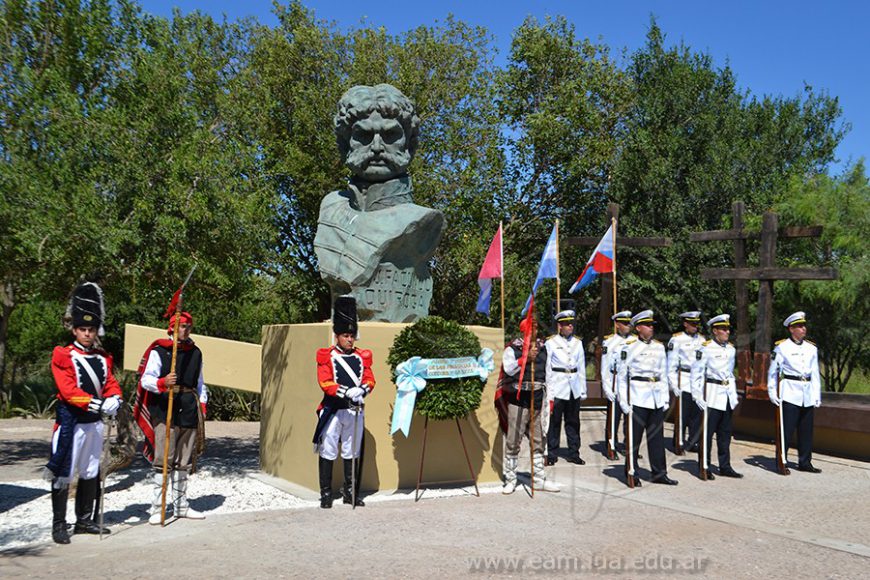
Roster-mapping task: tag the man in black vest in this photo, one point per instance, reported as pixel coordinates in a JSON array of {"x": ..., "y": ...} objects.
[
  {"x": 519, "y": 411},
  {"x": 190, "y": 396}
]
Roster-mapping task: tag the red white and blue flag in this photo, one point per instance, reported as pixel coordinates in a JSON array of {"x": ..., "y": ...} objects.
[
  {"x": 492, "y": 268},
  {"x": 601, "y": 261}
]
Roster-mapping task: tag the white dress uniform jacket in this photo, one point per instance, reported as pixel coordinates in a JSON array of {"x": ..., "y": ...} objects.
[
  {"x": 610, "y": 361},
  {"x": 566, "y": 368},
  {"x": 797, "y": 365},
  {"x": 714, "y": 364},
  {"x": 644, "y": 369},
  {"x": 681, "y": 355}
]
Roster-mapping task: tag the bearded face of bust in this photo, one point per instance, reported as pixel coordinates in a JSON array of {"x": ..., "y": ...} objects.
[{"x": 377, "y": 149}]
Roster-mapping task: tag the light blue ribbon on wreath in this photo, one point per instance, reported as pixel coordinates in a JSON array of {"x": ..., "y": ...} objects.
[{"x": 412, "y": 374}]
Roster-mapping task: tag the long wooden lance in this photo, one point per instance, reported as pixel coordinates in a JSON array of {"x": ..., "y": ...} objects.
[
  {"x": 534, "y": 343},
  {"x": 177, "y": 313}
]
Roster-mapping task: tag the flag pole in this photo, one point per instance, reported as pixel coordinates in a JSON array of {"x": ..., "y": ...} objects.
[
  {"x": 501, "y": 257},
  {"x": 558, "y": 286},
  {"x": 615, "y": 309}
]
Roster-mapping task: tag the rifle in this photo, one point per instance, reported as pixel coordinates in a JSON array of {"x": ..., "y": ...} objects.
[
  {"x": 171, "y": 393},
  {"x": 678, "y": 418},
  {"x": 106, "y": 455},
  {"x": 355, "y": 458},
  {"x": 781, "y": 464},
  {"x": 630, "y": 418},
  {"x": 703, "y": 452},
  {"x": 611, "y": 421}
]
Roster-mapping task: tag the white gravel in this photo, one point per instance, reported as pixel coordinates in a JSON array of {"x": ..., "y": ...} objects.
[{"x": 25, "y": 506}]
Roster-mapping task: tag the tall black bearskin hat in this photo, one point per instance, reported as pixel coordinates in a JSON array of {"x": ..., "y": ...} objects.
[
  {"x": 344, "y": 317},
  {"x": 86, "y": 307}
]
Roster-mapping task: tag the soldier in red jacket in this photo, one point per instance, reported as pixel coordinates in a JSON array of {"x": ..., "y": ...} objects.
[
  {"x": 344, "y": 373},
  {"x": 86, "y": 388}
]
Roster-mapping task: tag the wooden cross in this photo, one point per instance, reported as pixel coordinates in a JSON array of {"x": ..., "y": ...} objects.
[
  {"x": 605, "y": 324},
  {"x": 755, "y": 383}
]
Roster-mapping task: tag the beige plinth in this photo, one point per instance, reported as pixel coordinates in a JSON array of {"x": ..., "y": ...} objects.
[{"x": 291, "y": 395}]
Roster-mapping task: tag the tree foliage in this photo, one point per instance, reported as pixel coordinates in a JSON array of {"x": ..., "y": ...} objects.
[
  {"x": 838, "y": 311},
  {"x": 134, "y": 146}
]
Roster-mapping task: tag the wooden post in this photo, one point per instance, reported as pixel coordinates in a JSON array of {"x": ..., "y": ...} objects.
[{"x": 741, "y": 303}]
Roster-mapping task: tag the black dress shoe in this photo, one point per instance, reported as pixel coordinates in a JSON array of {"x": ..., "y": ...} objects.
[
  {"x": 89, "y": 527},
  {"x": 552, "y": 460},
  {"x": 809, "y": 468},
  {"x": 576, "y": 460},
  {"x": 695, "y": 448},
  {"x": 710, "y": 476},
  {"x": 730, "y": 473},
  {"x": 665, "y": 480}
]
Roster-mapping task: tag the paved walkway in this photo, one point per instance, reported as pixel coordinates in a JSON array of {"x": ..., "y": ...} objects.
[{"x": 801, "y": 526}]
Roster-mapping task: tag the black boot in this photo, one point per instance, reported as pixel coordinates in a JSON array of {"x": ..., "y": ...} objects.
[
  {"x": 325, "y": 466},
  {"x": 347, "y": 497},
  {"x": 59, "y": 498},
  {"x": 86, "y": 495}
]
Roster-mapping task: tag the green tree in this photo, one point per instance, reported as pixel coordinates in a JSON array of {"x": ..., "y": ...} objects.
[
  {"x": 838, "y": 311},
  {"x": 695, "y": 143}
]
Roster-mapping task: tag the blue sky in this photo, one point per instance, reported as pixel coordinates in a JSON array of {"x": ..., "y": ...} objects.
[{"x": 774, "y": 47}]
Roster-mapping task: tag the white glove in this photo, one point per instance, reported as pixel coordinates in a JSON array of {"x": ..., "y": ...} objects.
[
  {"x": 666, "y": 407},
  {"x": 775, "y": 400},
  {"x": 818, "y": 404},
  {"x": 701, "y": 404},
  {"x": 676, "y": 392},
  {"x": 626, "y": 408},
  {"x": 610, "y": 397},
  {"x": 111, "y": 405},
  {"x": 355, "y": 393},
  {"x": 95, "y": 405}
]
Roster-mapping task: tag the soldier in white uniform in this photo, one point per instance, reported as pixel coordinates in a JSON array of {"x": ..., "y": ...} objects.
[
  {"x": 643, "y": 394},
  {"x": 714, "y": 389},
  {"x": 681, "y": 353},
  {"x": 795, "y": 364},
  {"x": 566, "y": 387},
  {"x": 610, "y": 349}
]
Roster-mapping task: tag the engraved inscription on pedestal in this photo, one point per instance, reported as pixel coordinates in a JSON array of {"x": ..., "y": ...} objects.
[{"x": 394, "y": 295}]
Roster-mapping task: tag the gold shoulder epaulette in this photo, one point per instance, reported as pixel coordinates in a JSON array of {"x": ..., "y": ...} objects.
[
  {"x": 779, "y": 341},
  {"x": 809, "y": 341},
  {"x": 655, "y": 340},
  {"x": 631, "y": 340},
  {"x": 676, "y": 334},
  {"x": 706, "y": 342},
  {"x": 608, "y": 336}
]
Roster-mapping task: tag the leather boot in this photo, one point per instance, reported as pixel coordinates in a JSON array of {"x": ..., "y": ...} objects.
[
  {"x": 156, "y": 499},
  {"x": 59, "y": 498},
  {"x": 346, "y": 490},
  {"x": 510, "y": 474},
  {"x": 86, "y": 495},
  {"x": 541, "y": 483},
  {"x": 325, "y": 467},
  {"x": 179, "y": 497}
]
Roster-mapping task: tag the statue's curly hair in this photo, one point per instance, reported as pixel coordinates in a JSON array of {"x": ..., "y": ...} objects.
[{"x": 362, "y": 100}]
